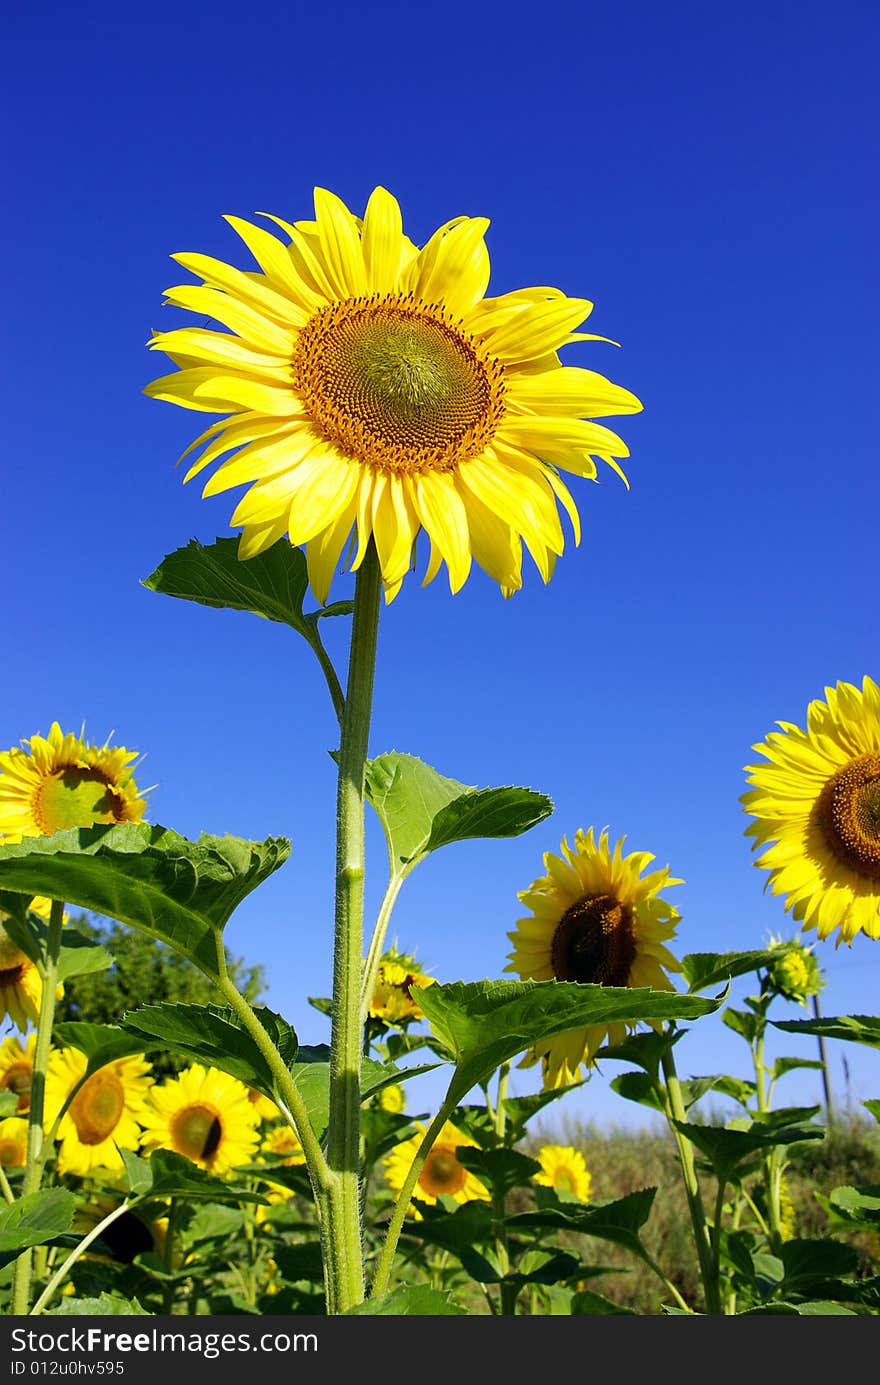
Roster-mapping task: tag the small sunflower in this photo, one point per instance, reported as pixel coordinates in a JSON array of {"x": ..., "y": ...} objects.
[
  {"x": 61, "y": 781},
  {"x": 795, "y": 974},
  {"x": 595, "y": 919},
  {"x": 398, "y": 976},
  {"x": 13, "y": 1142},
  {"x": 564, "y": 1169},
  {"x": 818, "y": 802},
  {"x": 17, "y": 1070},
  {"x": 206, "y": 1115},
  {"x": 264, "y": 1109},
  {"x": 105, "y": 1115},
  {"x": 442, "y": 1174},
  {"x": 284, "y": 1141},
  {"x": 373, "y": 388},
  {"x": 20, "y": 986},
  {"x": 392, "y": 1098}
]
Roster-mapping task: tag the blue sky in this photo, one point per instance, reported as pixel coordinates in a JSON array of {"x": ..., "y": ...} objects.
[{"x": 703, "y": 177}]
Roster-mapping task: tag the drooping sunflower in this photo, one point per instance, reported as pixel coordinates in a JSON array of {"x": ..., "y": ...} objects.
[
  {"x": 17, "y": 1070},
  {"x": 13, "y": 1142},
  {"x": 595, "y": 919},
  {"x": 397, "y": 977},
  {"x": 105, "y": 1115},
  {"x": 206, "y": 1115},
  {"x": 61, "y": 781},
  {"x": 441, "y": 1174},
  {"x": 20, "y": 986},
  {"x": 818, "y": 802},
  {"x": 371, "y": 386},
  {"x": 564, "y": 1169}
]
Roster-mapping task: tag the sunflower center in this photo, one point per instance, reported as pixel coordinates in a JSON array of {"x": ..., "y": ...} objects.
[
  {"x": 74, "y": 797},
  {"x": 17, "y": 1079},
  {"x": 12, "y": 1154},
  {"x": 197, "y": 1132},
  {"x": 442, "y": 1173},
  {"x": 97, "y": 1107},
  {"x": 594, "y": 942},
  {"x": 848, "y": 811},
  {"x": 397, "y": 385}
]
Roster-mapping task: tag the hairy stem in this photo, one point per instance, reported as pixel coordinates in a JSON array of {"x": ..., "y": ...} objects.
[{"x": 675, "y": 1111}]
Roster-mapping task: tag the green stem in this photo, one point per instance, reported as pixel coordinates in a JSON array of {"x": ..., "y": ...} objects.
[
  {"x": 675, "y": 1111},
  {"x": 377, "y": 942},
  {"x": 499, "y": 1203},
  {"x": 5, "y": 1189},
  {"x": 401, "y": 1207},
  {"x": 36, "y": 1156},
  {"x": 330, "y": 674},
  {"x": 667, "y": 1282},
  {"x": 77, "y": 1251},
  {"x": 770, "y": 1160},
  {"x": 343, "y": 1136},
  {"x": 169, "y": 1288}
]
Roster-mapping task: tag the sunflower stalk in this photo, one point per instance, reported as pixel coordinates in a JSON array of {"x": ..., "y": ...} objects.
[
  {"x": 61, "y": 1273},
  {"x": 771, "y": 1158},
  {"x": 36, "y": 1145},
  {"x": 674, "y": 1109}
]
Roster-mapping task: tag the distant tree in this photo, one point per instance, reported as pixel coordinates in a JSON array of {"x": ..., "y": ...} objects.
[{"x": 145, "y": 972}]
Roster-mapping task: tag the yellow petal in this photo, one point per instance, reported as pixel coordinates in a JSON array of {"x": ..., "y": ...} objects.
[
  {"x": 251, "y": 325},
  {"x": 341, "y": 245},
  {"x": 323, "y": 551},
  {"x": 382, "y": 241},
  {"x": 537, "y": 329},
  {"x": 325, "y": 484},
  {"x": 229, "y": 391},
  {"x": 453, "y": 268},
  {"x": 569, "y": 390},
  {"x": 275, "y": 262},
  {"x": 218, "y": 348},
  {"x": 442, "y": 512},
  {"x": 252, "y": 289}
]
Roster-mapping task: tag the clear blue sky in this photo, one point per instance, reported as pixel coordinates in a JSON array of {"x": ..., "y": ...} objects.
[{"x": 704, "y": 177}]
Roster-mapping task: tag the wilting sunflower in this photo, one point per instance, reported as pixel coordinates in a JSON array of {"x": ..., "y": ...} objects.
[
  {"x": 372, "y": 387},
  {"x": 818, "y": 801},
  {"x": 206, "y": 1115},
  {"x": 441, "y": 1173},
  {"x": 396, "y": 979},
  {"x": 105, "y": 1115},
  {"x": 61, "y": 781},
  {"x": 17, "y": 1070},
  {"x": 564, "y": 1169},
  {"x": 595, "y": 919},
  {"x": 13, "y": 1142}
]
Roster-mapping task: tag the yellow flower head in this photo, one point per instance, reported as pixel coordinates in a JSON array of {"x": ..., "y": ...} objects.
[
  {"x": 595, "y": 920},
  {"x": 20, "y": 984},
  {"x": 398, "y": 976},
  {"x": 206, "y": 1115},
  {"x": 563, "y": 1168},
  {"x": 817, "y": 800},
  {"x": 17, "y": 1070},
  {"x": 284, "y": 1141},
  {"x": 61, "y": 781},
  {"x": 372, "y": 388},
  {"x": 13, "y": 1142},
  {"x": 795, "y": 974},
  {"x": 265, "y": 1109},
  {"x": 392, "y": 1098},
  {"x": 442, "y": 1174},
  {"x": 105, "y": 1115}
]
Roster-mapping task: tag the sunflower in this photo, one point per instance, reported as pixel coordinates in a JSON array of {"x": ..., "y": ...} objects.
[
  {"x": 398, "y": 975},
  {"x": 794, "y": 974},
  {"x": 17, "y": 1070},
  {"x": 372, "y": 387},
  {"x": 284, "y": 1141},
  {"x": 441, "y": 1173},
  {"x": 818, "y": 802},
  {"x": 595, "y": 919},
  {"x": 264, "y": 1109},
  {"x": 105, "y": 1115},
  {"x": 13, "y": 1142},
  {"x": 206, "y": 1115},
  {"x": 392, "y": 1099},
  {"x": 61, "y": 781},
  {"x": 20, "y": 986},
  {"x": 563, "y": 1169}
]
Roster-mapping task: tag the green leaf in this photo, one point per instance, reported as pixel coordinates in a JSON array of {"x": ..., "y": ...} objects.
[
  {"x": 857, "y": 1206},
  {"x": 638, "y": 1087},
  {"x": 8, "y": 1103},
  {"x": 744, "y": 1023},
  {"x": 33, "y": 1220},
  {"x": 176, "y": 1176},
  {"x": 548, "y": 1267},
  {"x": 138, "y": 1172},
  {"x": 784, "y": 1065},
  {"x": 311, "y": 1072},
  {"x": 618, "y": 1221},
  {"x": 726, "y": 1148},
  {"x": 104, "y": 1306},
  {"x": 520, "y": 1109},
  {"x": 214, "y": 1035},
  {"x": 273, "y": 585},
  {"x": 297, "y": 1262},
  {"x": 483, "y": 1023},
  {"x": 587, "y": 1301},
  {"x": 420, "y": 810},
  {"x": 78, "y": 956},
  {"x": 500, "y": 1170},
  {"x": 810, "y": 1264},
  {"x": 101, "y": 1043},
  {"x": 149, "y": 877},
  {"x": 703, "y": 969},
  {"x": 874, "y": 1107},
  {"x": 472, "y": 1223},
  {"x": 411, "y": 1301},
  {"x": 737, "y": 1088},
  {"x": 820, "y": 1308},
  {"x": 645, "y": 1050},
  {"x": 859, "y": 1029}
]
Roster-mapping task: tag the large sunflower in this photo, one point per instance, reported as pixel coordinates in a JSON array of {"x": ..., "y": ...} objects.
[
  {"x": 595, "y": 919},
  {"x": 206, "y": 1115},
  {"x": 818, "y": 801},
  {"x": 61, "y": 781},
  {"x": 372, "y": 386},
  {"x": 17, "y": 1070},
  {"x": 105, "y": 1115},
  {"x": 441, "y": 1174}
]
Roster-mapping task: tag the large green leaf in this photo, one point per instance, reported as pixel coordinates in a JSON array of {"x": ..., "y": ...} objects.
[
  {"x": 484, "y": 1023},
  {"x": 811, "y": 1265},
  {"x": 103, "y": 1306},
  {"x": 500, "y": 1170},
  {"x": 618, "y": 1221},
  {"x": 214, "y": 1035},
  {"x": 859, "y": 1029},
  {"x": 33, "y": 1220},
  {"x": 274, "y": 584},
  {"x": 311, "y": 1072},
  {"x": 176, "y": 1176},
  {"x": 726, "y": 1147},
  {"x": 180, "y": 891},
  {"x": 101, "y": 1043},
  {"x": 858, "y": 1206},
  {"x": 703, "y": 969},
  {"x": 411, "y": 1301},
  {"x": 78, "y": 955},
  {"x": 421, "y": 810}
]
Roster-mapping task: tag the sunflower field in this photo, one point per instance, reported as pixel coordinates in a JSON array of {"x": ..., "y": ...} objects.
[{"x": 377, "y": 405}]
